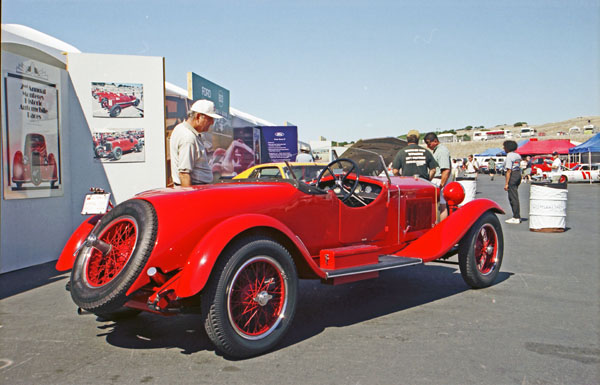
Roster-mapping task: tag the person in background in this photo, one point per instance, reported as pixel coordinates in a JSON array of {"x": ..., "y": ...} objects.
[
  {"x": 189, "y": 160},
  {"x": 555, "y": 168},
  {"x": 442, "y": 176},
  {"x": 513, "y": 179},
  {"x": 527, "y": 170},
  {"x": 413, "y": 160},
  {"x": 472, "y": 167},
  {"x": 492, "y": 168},
  {"x": 304, "y": 156},
  {"x": 456, "y": 166}
]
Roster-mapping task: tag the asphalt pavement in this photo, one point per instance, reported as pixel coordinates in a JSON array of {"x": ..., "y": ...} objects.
[{"x": 538, "y": 324}]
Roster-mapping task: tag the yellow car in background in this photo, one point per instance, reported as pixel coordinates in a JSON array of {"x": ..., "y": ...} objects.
[{"x": 303, "y": 171}]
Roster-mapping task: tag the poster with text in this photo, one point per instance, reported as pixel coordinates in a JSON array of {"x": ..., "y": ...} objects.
[
  {"x": 278, "y": 144},
  {"x": 32, "y": 166}
]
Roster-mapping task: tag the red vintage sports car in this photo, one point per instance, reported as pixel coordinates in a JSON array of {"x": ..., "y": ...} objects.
[
  {"x": 35, "y": 165},
  {"x": 114, "y": 148},
  {"x": 114, "y": 103},
  {"x": 234, "y": 251}
]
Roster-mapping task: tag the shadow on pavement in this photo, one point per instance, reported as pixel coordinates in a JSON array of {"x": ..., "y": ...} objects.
[
  {"x": 20, "y": 281},
  {"x": 319, "y": 307}
]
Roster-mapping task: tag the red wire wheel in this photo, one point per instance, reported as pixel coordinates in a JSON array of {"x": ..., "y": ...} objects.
[
  {"x": 480, "y": 251},
  {"x": 122, "y": 235},
  {"x": 257, "y": 298},
  {"x": 486, "y": 249}
]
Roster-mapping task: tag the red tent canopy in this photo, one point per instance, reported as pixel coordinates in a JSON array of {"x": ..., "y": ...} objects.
[{"x": 543, "y": 147}]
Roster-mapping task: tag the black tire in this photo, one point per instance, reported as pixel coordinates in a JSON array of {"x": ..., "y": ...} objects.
[
  {"x": 138, "y": 148},
  {"x": 104, "y": 102},
  {"x": 480, "y": 251},
  {"x": 97, "y": 285},
  {"x": 136, "y": 102},
  {"x": 117, "y": 153},
  {"x": 228, "y": 326},
  {"x": 115, "y": 111},
  {"x": 563, "y": 179},
  {"x": 98, "y": 150}
]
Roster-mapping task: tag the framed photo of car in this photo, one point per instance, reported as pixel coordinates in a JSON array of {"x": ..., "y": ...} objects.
[{"x": 117, "y": 100}]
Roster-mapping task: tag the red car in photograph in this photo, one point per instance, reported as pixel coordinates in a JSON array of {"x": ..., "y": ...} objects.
[
  {"x": 115, "y": 103},
  {"x": 34, "y": 164},
  {"x": 115, "y": 147},
  {"x": 234, "y": 251}
]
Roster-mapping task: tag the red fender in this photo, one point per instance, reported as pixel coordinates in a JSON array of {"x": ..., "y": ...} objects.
[
  {"x": 67, "y": 259},
  {"x": 201, "y": 261},
  {"x": 440, "y": 239}
]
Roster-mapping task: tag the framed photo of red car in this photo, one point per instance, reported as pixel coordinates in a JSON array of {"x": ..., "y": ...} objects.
[
  {"x": 117, "y": 100},
  {"x": 122, "y": 145},
  {"x": 32, "y": 163}
]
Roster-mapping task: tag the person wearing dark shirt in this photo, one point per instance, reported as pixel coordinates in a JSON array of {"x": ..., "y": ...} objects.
[{"x": 414, "y": 160}]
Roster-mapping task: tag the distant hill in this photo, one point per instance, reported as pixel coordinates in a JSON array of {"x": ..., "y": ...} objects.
[{"x": 547, "y": 131}]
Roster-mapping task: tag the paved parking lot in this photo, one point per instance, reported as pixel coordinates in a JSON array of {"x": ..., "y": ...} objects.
[{"x": 538, "y": 324}]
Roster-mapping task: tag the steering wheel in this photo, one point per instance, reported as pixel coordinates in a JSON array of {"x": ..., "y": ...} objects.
[{"x": 341, "y": 179}]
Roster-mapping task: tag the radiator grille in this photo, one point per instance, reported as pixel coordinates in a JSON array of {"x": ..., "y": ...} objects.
[{"x": 419, "y": 214}]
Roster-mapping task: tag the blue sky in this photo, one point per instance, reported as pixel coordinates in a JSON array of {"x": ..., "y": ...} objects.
[{"x": 351, "y": 69}]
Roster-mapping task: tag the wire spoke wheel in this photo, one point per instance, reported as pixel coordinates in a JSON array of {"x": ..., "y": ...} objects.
[
  {"x": 122, "y": 236},
  {"x": 486, "y": 249},
  {"x": 257, "y": 297},
  {"x": 480, "y": 251},
  {"x": 249, "y": 305}
]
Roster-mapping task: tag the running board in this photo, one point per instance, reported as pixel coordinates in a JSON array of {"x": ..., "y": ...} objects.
[{"x": 386, "y": 262}]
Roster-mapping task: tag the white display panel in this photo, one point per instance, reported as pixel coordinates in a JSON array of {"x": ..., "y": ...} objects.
[{"x": 126, "y": 135}]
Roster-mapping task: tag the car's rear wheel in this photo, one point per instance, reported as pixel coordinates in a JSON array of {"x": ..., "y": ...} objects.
[
  {"x": 250, "y": 301},
  {"x": 100, "y": 280},
  {"x": 480, "y": 251}
]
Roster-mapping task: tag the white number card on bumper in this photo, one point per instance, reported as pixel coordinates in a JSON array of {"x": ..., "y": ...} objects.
[{"x": 95, "y": 203}]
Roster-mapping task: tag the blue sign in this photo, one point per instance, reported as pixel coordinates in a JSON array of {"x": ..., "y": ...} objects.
[
  {"x": 278, "y": 143},
  {"x": 200, "y": 88}
]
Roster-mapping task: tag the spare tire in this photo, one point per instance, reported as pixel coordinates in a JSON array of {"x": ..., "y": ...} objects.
[{"x": 99, "y": 282}]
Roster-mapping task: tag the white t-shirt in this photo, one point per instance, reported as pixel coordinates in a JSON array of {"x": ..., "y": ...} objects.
[
  {"x": 556, "y": 163},
  {"x": 472, "y": 166},
  {"x": 189, "y": 155}
]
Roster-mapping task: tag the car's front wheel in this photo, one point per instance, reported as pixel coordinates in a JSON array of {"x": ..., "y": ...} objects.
[
  {"x": 480, "y": 252},
  {"x": 563, "y": 179},
  {"x": 250, "y": 300}
]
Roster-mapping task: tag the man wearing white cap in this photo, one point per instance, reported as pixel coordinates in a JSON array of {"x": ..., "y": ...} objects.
[{"x": 189, "y": 160}]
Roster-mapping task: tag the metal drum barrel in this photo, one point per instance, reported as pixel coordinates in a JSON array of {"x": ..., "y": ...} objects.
[
  {"x": 548, "y": 207},
  {"x": 469, "y": 184}
]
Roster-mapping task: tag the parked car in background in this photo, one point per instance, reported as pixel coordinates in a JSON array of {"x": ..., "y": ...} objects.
[
  {"x": 579, "y": 173},
  {"x": 302, "y": 171},
  {"x": 527, "y": 132},
  {"x": 34, "y": 164}
]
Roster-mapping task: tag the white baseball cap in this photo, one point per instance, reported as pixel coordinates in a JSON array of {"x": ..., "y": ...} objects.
[{"x": 206, "y": 107}]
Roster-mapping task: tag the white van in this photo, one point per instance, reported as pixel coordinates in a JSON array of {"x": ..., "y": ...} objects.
[
  {"x": 479, "y": 136},
  {"x": 527, "y": 132}
]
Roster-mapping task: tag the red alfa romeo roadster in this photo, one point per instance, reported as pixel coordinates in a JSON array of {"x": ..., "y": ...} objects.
[{"x": 234, "y": 251}]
